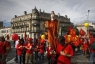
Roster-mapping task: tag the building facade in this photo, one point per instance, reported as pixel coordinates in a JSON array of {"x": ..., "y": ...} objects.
[
  {"x": 6, "y": 31},
  {"x": 91, "y": 28},
  {"x": 34, "y": 23},
  {"x": 1, "y": 24}
]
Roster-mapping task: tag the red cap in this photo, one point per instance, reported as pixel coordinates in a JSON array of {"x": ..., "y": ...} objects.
[
  {"x": 29, "y": 39},
  {"x": 42, "y": 41}
]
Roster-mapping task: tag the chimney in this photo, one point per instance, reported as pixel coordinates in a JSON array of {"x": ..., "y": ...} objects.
[
  {"x": 25, "y": 12},
  {"x": 58, "y": 14},
  {"x": 43, "y": 11},
  {"x": 65, "y": 16},
  {"x": 39, "y": 10},
  {"x": 15, "y": 16}
]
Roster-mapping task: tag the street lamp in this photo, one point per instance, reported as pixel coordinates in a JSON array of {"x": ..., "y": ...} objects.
[
  {"x": 86, "y": 24},
  {"x": 88, "y": 14}
]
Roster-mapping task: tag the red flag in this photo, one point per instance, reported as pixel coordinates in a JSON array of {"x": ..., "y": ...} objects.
[
  {"x": 72, "y": 32},
  {"x": 82, "y": 32},
  {"x": 89, "y": 34},
  {"x": 75, "y": 40},
  {"x": 69, "y": 29}
]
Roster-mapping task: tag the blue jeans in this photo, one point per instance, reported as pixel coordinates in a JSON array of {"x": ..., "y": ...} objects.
[
  {"x": 16, "y": 56},
  {"x": 92, "y": 57},
  {"x": 36, "y": 55},
  {"x": 49, "y": 60},
  {"x": 20, "y": 59},
  {"x": 41, "y": 56}
]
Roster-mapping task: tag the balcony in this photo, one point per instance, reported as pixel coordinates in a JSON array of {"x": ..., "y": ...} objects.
[
  {"x": 13, "y": 27},
  {"x": 36, "y": 24}
]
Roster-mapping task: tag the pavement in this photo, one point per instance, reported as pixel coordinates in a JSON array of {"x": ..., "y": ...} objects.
[
  {"x": 77, "y": 59},
  {"x": 80, "y": 59}
]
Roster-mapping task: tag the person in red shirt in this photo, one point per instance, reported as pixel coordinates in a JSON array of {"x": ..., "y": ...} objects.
[
  {"x": 66, "y": 54},
  {"x": 4, "y": 49},
  {"x": 41, "y": 51},
  {"x": 29, "y": 51},
  {"x": 92, "y": 51},
  {"x": 49, "y": 53},
  {"x": 20, "y": 48},
  {"x": 85, "y": 46},
  {"x": 36, "y": 50},
  {"x": 0, "y": 51}
]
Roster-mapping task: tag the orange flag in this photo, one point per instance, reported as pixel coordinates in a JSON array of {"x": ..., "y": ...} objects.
[
  {"x": 82, "y": 32},
  {"x": 69, "y": 29},
  {"x": 67, "y": 38},
  {"x": 73, "y": 32},
  {"x": 75, "y": 40}
]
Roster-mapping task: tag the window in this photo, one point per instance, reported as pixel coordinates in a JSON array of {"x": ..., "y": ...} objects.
[{"x": 7, "y": 31}]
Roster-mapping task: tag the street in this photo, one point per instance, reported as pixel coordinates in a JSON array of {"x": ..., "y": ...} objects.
[{"x": 77, "y": 59}]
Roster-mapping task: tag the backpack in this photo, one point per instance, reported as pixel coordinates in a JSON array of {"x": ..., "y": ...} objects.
[{"x": 93, "y": 45}]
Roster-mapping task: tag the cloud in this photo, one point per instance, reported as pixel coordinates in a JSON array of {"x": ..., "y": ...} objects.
[{"x": 75, "y": 10}]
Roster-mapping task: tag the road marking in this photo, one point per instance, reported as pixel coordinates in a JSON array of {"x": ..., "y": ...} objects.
[{"x": 11, "y": 61}]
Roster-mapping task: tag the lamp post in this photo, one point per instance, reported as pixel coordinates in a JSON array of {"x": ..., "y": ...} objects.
[
  {"x": 86, "y": 24},
  {"x": 88, "y": 14}
]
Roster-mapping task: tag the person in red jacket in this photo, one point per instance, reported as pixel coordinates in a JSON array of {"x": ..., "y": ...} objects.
[
  {"x": 29, "y": 51},
  {"x": 20, "y": 48},
  {"x": 66, "y": 54}
]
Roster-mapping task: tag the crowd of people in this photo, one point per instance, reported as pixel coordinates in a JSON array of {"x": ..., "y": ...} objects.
[{"x": 64, "y": 51}]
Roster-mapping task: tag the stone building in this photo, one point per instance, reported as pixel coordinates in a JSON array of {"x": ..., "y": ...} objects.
[
  {"x": 1, "y": 24},
  {"x": 90, "y": 28},
  {"x": 34, "y": 23},
  {"x": 6, "y": 31}
]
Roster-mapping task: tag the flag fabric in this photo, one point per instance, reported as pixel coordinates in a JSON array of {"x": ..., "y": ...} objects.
[
  {"x": 89, "y": 34},
  {"x": 75, "y": 40},
  {"x": 69, "y": 30},
  {"x": 73, "y": 32},
  {"x": 82, "y": 32},
  {"x": 67, "y": 38}
]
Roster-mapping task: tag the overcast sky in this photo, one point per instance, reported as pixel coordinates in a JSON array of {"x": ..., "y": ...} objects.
[{"x": 76, "y": 10}]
